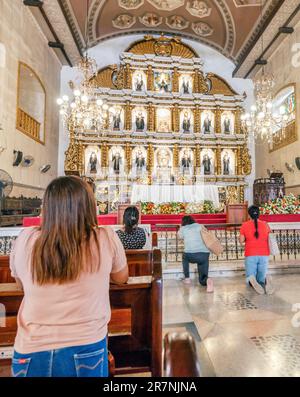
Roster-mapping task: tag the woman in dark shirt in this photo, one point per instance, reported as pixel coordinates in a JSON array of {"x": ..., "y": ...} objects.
[{"x": 132, "y": 237}]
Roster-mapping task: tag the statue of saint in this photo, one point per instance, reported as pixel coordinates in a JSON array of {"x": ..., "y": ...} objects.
[
  {"x": 206, "y": 162},
  {"x": 139, "y": 83},
  {"x": 227, "y": 125},
  {"x": 186, "y": 123},
  {"x": 186, "y": 162},
  {"x": 140, "y": 161},
  {"x": 163, "y": 85},
  {"x": 163, "y": 158},
  {"x": 163, "y": 126},
  {"x": 185, "y": 86},
  {"x": 93, "y": 163},
  {"x": 140, "y": 122},
  {"x": 117, "y": 120},
  {"x": 206, "y": 128},
  {"x": 116, "y": 161},
  {"x": 226, "y": 164}
]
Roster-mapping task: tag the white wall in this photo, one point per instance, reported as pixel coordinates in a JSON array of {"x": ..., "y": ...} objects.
[
  {"x": 285, "y": 66},
  {"x": 23, "y": 41},
  {"x": 108, "y": 52}
]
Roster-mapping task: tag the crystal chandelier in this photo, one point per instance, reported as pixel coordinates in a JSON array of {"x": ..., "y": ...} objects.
[
  {"x": 86, "y": 112},
  {"x": 263, "y": 120}
]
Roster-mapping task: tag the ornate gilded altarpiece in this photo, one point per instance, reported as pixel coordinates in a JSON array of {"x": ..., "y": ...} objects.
[{"x": 173, "y": 124}]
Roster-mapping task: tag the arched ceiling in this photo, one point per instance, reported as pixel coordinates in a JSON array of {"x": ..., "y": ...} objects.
[{"x": 230, "y": 26}]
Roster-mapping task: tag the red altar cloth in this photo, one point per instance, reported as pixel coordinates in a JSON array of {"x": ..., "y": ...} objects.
[{"x": 111, "y": 219}]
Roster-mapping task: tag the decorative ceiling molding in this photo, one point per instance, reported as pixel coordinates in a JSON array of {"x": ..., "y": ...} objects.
[
  {"x": 56, "y": 17},
  {"x": 278, "y": 20},
  {"x": 177, "y": 22},
  {"x": 198, "y": 8},
  {"x": 151, "y": 20},
  {"x": 248, "y": 3},
  {"x": 124, "y": 21},
  {"x": 230, "y": 26},
  {"x": 130, "y": 4},
  {"x": 166, "y": 5}
]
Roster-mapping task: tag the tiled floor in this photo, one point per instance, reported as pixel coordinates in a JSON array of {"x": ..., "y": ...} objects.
[{"x": 237, "y": 332}]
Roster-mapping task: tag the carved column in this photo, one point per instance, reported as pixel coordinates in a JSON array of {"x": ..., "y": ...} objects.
[
  {"x": 217, "y": 112},
  {"x": 175, "y": 80},
  {"x": 237, "y": 121},
  {"x": 150, "y": 162},
  {"x": 150, "y": 78},
  {"x": 128, "y": 152},
  {"x": 218, "y": 160},
  {"x": 81, "y": 158},
  {"x": 72, "y": 157},
  {"x": 151, "y": 117},
  {"x": 128, "y": 116},
  {"x": 104, "y": 155},
  {"x": 241, "y": 194},
  {"x": 175, "y": 118},
  {"x": 235, "y": 161},
  {"x": 238, "y": 161},
  {"x": 196, "y": 88},
  {"x": 198, "y": 157},
  {"x": 175, "y": 156},
  {"x": 246, "y": 160},
  {"x": 197, "y": 119},
  {"x": 128, "y": 77}
]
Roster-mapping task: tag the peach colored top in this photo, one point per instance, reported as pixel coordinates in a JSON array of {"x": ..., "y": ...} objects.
[{"x": 54, "y": 316}]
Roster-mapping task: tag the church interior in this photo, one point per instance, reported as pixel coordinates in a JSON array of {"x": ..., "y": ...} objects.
[{"x": 182, "y": 115}]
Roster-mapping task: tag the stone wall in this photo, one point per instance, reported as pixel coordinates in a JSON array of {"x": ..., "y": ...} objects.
[{"x": 22, "y": 40}]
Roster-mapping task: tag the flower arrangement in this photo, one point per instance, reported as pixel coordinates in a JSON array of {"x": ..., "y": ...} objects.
[
  {"x": 175, "y": 208},
  {"x": 289, "y": 204}
]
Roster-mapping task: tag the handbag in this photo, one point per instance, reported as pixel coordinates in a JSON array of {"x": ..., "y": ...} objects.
[
  {"x": 211, "y": 241},
  {"x": 273, "y": 245}
]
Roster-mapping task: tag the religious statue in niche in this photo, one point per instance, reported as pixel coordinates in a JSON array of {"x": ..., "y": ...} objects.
[
  {"x": 186, "y": 123},
  {"x": 116, "y": 162},
  {"x": 207, "y": 124},
  {"x": 226, "y": 164},
  {"x": 207, "y": 164},
  {"x": 186, "y": 162},
  {"x": 117, "y": 120},
  {"x": 139, "y": 83},
  {"x": 185, "y": 86},
  {"x": 140, "y": 162},
  {"x": 162, "y": 82},
  {"x": 140, "y": 122},
  {"x": 227, "y": 125},
  {"x": 163, "y": 158},
  {"x": 93, "y": 163}
]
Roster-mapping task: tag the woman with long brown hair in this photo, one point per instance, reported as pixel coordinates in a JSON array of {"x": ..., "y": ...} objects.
[{"x": 65, "y": 267}]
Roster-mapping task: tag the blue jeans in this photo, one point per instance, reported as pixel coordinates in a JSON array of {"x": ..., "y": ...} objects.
[
  {"x": 257, "y": 266},
  {"x": 202, "y": 260},
  {"x": 78, "y": 361}
]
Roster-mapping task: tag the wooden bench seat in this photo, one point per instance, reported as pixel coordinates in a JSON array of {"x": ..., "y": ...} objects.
[{"x": 135, "y": 329}]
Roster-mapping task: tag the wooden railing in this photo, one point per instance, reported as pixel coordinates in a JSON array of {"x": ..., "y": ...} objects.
[{"x": 28, "y": 124}]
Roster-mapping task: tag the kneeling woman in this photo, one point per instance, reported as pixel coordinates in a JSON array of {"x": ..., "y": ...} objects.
[
  {"x": 195, "y": 251},
  {"x": 255, "y": 235},
  {"x": 65, "y": 267}
]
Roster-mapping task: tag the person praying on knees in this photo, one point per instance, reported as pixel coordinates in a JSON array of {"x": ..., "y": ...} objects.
[
  {"x": 65, "y": 267},
  {"x": 195, "y": 251},
  {"x": 132, "y": 236},
  {"x": 255, "y": 235}
]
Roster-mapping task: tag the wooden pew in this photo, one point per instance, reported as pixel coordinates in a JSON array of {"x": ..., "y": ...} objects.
[
  {"x": 5, "y": 276},
  {"x": 180, "y": 355},
  {"x": 135, "y": 329}
]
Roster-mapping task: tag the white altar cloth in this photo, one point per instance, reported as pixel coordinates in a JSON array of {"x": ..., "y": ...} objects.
[{"x": 170, "y": 193}]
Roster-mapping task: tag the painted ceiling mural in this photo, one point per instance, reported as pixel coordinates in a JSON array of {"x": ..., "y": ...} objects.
[{"x": 212, "y": 22}]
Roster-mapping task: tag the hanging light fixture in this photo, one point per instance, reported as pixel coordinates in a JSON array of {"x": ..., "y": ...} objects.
[
  {"x": 86, "y": 111},
  {"x": 263, "y": 120}
]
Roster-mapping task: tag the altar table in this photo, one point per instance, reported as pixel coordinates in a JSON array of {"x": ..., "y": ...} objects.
[{"x": 179, "y": 193}]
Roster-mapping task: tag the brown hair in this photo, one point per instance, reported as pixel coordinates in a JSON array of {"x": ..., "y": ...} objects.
[{"x": 69, "y": 223}]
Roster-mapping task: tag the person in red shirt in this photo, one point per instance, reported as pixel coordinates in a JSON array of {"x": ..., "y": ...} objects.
[{"x": 255, "y": 235}]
